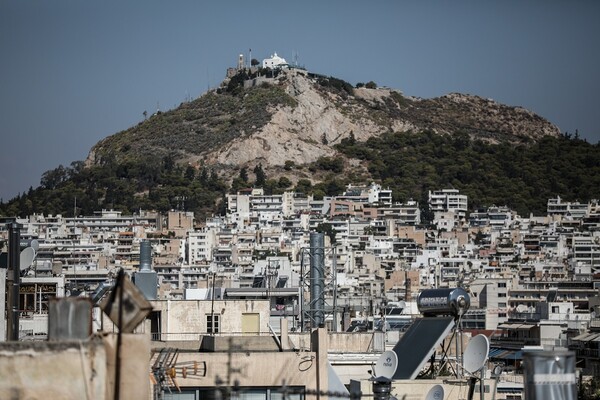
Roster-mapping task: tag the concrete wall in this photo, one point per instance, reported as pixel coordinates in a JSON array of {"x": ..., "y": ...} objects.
[
  {"x": 342, "y": 342},
  {"x": 74, "y": 370},
  {"x": 52, "y": 370},
  {"x": 188, "y": 317},
  {"x": 256, "y": 369},
  {"x": 306, "y": 369}
]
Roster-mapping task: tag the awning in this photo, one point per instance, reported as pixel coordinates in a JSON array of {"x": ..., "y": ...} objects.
[
  {"x": 595, "y": 338},
  {"x": 586, "y": 337},
  {"x": 494, "y": 352},
  {"x": 508, "y": 325},
  {"x": 581, "y": 337},
  {"x": 504, "y": 354},
  {"x": 513, "y": 355},
  {"x": 515, "y": 325},
  {"x": 525, "y": 326}
]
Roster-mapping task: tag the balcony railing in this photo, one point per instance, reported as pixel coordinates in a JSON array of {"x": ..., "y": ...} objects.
[
  {"x": 496, "y": 340},
  {"x": 197, "y": 336}
]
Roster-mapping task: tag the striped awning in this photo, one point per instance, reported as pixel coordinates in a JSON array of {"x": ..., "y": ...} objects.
[{"x": 505, "y": 354}]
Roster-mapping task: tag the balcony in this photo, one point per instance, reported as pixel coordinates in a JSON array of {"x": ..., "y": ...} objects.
[{"x": 514, "y": 342}]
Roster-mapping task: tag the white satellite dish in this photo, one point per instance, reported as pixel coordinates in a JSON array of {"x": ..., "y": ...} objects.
[
  {"x": 26, "y": 258},
  {"x": 476, "y": 354},
  {"x": 435, "y": 393},
  {"x": 386, "y": 365},
  {"x": 522, "y": 308},
  {"x": 34, "y": 244}
]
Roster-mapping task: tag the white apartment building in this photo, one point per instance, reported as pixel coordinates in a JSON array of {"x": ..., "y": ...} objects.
[
  {"x": 372, "y": 194},
  {"x": 492, "y": 294},
  {"x": 200, "y": 244},
  {"x": 252, "y": 206},
  {"x": 448, "y": 200},
  {"x": 499, "y": 217},
  {"x": 294, "y": 203},
  {"x": 586, "y": 251},
  {"x": 567, "y": 209},
  {"x": 444, "y": 220}
]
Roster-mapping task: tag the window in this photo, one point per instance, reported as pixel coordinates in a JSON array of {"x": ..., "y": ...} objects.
[
  {"x": 33, "y": 297},
  {"x": 501, "y": 284},
  {"x": 212, "y": 326},
  {"x": 501, "y": 305},
  {"x": 501, "y": 315},
  {"x": 501, "y": 294}
]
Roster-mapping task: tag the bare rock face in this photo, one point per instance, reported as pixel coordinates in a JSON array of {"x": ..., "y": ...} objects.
[
  {"x": 300, "y": 134},
  {"x": 322, "y": 118}
]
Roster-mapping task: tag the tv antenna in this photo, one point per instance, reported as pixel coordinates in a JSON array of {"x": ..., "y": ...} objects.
[{"x": 166, "y": 369}]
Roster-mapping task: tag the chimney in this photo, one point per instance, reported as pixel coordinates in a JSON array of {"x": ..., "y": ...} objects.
[{"x": 146, "y": 279}]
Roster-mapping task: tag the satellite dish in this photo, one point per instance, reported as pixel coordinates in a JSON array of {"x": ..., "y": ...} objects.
[
  {"x": 26, "y": 258},
  {"x": 435, "y": 393},
  {"x": 35, "y": 245},
  {"x": 386, "y": 365},
  {"x": 497, "y": 371},
  {"x": 476, "y": 354}
]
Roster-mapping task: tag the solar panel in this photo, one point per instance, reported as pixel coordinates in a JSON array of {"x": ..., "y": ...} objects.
[
  {"x": 258, "y": 282},
  {"x": 418, "y": 343},
  {"x": 282, "y": 281}
]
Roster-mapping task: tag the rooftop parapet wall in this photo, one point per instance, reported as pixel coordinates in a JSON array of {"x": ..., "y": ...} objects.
[
  {"x": 53, "y": 370},
  {"x": 74, "y": 370}
]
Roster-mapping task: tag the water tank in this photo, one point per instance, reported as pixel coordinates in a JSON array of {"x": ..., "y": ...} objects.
[
  {"x": 549, "y": 374},
  {"x": 446, "y": 301}
]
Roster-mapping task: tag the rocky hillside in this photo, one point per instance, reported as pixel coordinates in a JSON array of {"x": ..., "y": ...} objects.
[
  {"x": 314, "y": 134},
  {"x": 298, "y": 117}
]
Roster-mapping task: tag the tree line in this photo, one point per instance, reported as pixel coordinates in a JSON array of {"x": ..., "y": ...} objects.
[{"x": 522, "y": 177}]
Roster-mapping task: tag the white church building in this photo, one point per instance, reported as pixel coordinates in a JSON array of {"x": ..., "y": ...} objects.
[{"x": 274, "y": 62}]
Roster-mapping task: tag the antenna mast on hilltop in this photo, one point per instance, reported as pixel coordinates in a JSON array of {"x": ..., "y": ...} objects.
[
  {"x": 250, "y": 57},
  {"x": 207, "y": 80}
]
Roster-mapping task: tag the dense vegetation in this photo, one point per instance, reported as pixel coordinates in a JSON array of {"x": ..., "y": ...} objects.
[
  {"x": 522, "y": 177},
  {"x": 198, "y": 126},
  {"x": 132, "y": 185}
]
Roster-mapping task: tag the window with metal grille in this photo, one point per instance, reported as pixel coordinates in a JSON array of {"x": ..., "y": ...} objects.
[{"x": 212, "y": 326}]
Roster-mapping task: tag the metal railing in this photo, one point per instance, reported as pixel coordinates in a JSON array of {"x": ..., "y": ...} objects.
[{"x": 197, "y": 336}]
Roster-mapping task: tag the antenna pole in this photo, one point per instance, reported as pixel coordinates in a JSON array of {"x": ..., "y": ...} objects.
[
  {"x": 14, "y": 235},
  {"x": 119, "y": 286},
  {"x": 481, "y": 381},
  {"x": 212, "y": 306}
]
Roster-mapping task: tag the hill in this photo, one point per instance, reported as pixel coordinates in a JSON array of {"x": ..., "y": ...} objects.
[
  {"x": 297, "y": 130},
  {"x": 297, "y": 116}
]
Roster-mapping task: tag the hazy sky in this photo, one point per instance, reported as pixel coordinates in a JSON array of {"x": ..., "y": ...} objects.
[{"x": 74, "y": 72}]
